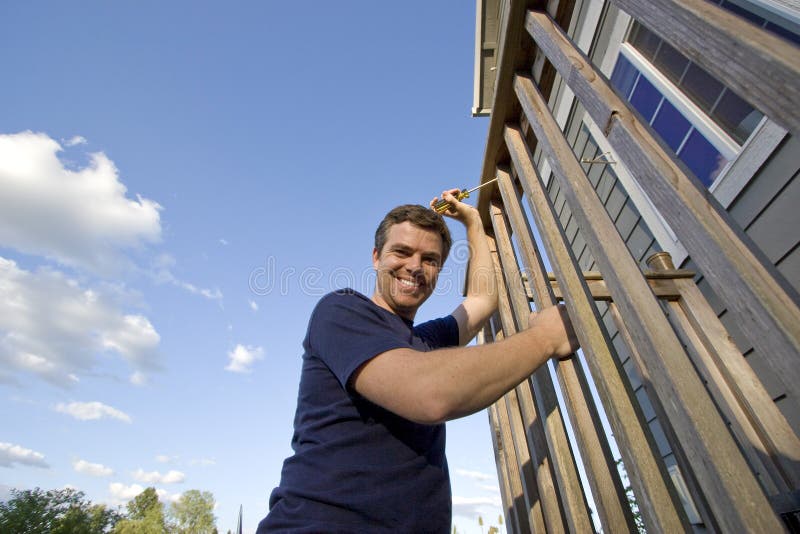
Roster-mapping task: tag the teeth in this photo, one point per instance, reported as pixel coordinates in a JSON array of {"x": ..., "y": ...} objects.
[{"x": 407, "y": 283}]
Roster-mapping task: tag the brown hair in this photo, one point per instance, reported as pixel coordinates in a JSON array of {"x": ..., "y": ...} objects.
[{"x": 418, "y": 216}]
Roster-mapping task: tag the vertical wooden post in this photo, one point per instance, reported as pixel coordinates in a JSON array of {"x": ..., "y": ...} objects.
[
  {"x": 658, "y": 502},
  {"x": 551, "y": 511},
  {"x": 734, "y": 495},
  {"x": 766, "y": 437},
  {"x": 766, "y": 308},
  {"x": 609, "y": 496}
]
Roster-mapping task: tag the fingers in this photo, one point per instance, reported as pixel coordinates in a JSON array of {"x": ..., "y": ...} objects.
[{"x": 555, "y": 327}]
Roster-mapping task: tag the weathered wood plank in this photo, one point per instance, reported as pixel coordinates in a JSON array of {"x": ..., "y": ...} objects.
[
  {"x": 546, "y": 457},
  {"x": 662, "y": 288},
  {"x": 733, "y": 493},
  {"x": 759, "y": 66},
  {"x": 745, "y": 392},
  {"x": 657, "y": 500},
  {"x": 665, "y": 435},
  {"x": 750, "y": 286},
  {"x": 522, "y": 426},
  {"x": 486, "y": 336},
  {"x": 609, "y": 495},
  {"x": 514, "y": 52}
]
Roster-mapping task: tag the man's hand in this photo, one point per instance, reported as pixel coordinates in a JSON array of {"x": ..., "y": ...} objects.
[
  {"x": 554, "y": 326},
  {"x": 457, "y": 210}
]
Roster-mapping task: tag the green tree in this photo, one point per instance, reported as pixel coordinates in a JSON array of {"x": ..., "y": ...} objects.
[
  {"x": 54, "y": 512},
  {"x": 193, "y": 513},
  {"x": 145, "y": 515}
]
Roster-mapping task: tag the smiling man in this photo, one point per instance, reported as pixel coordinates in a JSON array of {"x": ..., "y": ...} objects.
[{"x": 376, "y": 389}]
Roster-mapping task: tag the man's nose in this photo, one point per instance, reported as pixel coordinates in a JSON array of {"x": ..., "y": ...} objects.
[{"x": 414, "y": 263}]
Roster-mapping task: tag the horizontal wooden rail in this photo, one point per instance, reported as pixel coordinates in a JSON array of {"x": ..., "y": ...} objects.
[{"x": 765, "y": 306}]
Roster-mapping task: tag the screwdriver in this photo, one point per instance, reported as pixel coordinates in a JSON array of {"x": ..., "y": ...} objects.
[{"x": 443, "y": 205}]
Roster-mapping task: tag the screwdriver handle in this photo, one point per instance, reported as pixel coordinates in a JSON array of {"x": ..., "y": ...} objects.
[{"x": 443, "y": 205}]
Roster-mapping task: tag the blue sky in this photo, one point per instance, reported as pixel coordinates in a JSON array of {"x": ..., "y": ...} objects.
[{"x": 179, "y": 184}]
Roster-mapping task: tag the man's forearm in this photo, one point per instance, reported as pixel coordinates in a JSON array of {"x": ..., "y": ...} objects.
[
  {"x": 481, "y": 278},
  {"x": 449, "y": 383}
]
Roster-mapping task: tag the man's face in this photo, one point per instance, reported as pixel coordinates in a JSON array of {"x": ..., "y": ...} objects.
[{"x": 407, "y": 268}]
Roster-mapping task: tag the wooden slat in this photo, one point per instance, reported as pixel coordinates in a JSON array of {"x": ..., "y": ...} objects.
[
  {"x": 502, "y": 467},
  {"x": 734, "y": 495},
  {"x": 486, "y": 336},
  {"x": 658, "y": 502},
  {"x": 753, "y": 290},
  {"x": 759, "y": 66},
  {"x": 662, "y": 288},
  {"x": 695, "y": 492},
  {"x": 552, "y": 512},
  {"x": 519, "y": 507},
  {"x": 514, "y": 52},
  {"x": 780, "y": 443},
  {"x": 533, "y": 502},
  {"x": 609, "y": 495}
]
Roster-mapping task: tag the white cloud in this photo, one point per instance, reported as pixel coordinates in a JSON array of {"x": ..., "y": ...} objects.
[
  {"x": 75, "y": 141},
  {"x": 162, "y": 267},
  {"x": 121, "y": 493},
  {"x": 165, "y": 496},
  {"x": 54, "y": 328},
  {"x": 472, "y": 507},
  {"x": 203, "y": 461},
  {"x": 223, "y": 241},
  {"x": 11, "y": 454},
  {"x": 86, "y": 411},
  {"x": 253, "y": 305},
  {"x": 89, "y": 468},
  {"x": 477, "y": 475},
  {"x": 164, "y": 458},
  {"x": 80, "y": 218},
  {"x": 154, "y": 477},
  {"x": 242, "y": 358}
]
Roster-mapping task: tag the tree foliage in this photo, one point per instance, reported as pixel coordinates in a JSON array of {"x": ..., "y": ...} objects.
[
  {"x": 145, "y": 515},
  {"x": 67, "y": 511},
  {"x": 54, "y": 512},
  {"x": 193, "y": 513}
]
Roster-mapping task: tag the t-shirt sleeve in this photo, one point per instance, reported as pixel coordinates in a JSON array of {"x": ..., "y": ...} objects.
[
  {"x": 438, "y": 333},
  {"x": 345, "y": 332}
]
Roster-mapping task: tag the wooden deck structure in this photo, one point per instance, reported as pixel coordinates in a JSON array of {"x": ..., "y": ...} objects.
[{"x": 739, "y": 459}]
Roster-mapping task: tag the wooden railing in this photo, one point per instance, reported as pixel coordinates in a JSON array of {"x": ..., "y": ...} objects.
[{"x": 737, "y": 454}]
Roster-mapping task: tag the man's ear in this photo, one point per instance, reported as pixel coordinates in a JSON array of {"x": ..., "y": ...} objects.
[{"x": 375, "y": 257}]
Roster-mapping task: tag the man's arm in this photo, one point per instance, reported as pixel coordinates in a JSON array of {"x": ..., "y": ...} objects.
[
  {"x": 433, "y": 387},
  {"x": 480, "y": 301}
]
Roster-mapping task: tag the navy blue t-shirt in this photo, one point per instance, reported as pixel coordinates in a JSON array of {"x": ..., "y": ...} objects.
[{"x": 356, "y": 466}]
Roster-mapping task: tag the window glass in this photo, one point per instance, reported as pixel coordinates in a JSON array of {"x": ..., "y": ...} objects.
[
  {"x": 671, "y": 62},
  {"x": 702, "y": 158},
  {"x": 701, "y": 87},
  {"x": 671, "y": 125},
  {"x": 645, "y": 41},
  {"x": 624, "y": 76},
  {"x": 646, "y": 98},
  {"x": 736, "y": 116}
]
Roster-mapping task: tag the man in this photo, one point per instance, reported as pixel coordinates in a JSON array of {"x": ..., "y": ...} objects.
[{"x": 375, "y": 390}]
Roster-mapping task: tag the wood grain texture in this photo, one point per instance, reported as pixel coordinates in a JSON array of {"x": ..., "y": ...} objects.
[
  {"x": 759, "y": 66},
  {"x": 609, "y": 495},
  {"x": 734, "y": 496},
  {"x": 751, "y": 287},
  {"x": 658, "y": 502},
  {"x": 548, "y": 459}
]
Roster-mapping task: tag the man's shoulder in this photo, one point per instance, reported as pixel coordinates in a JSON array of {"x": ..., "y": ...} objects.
[{"x": 343, "y": 296}]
